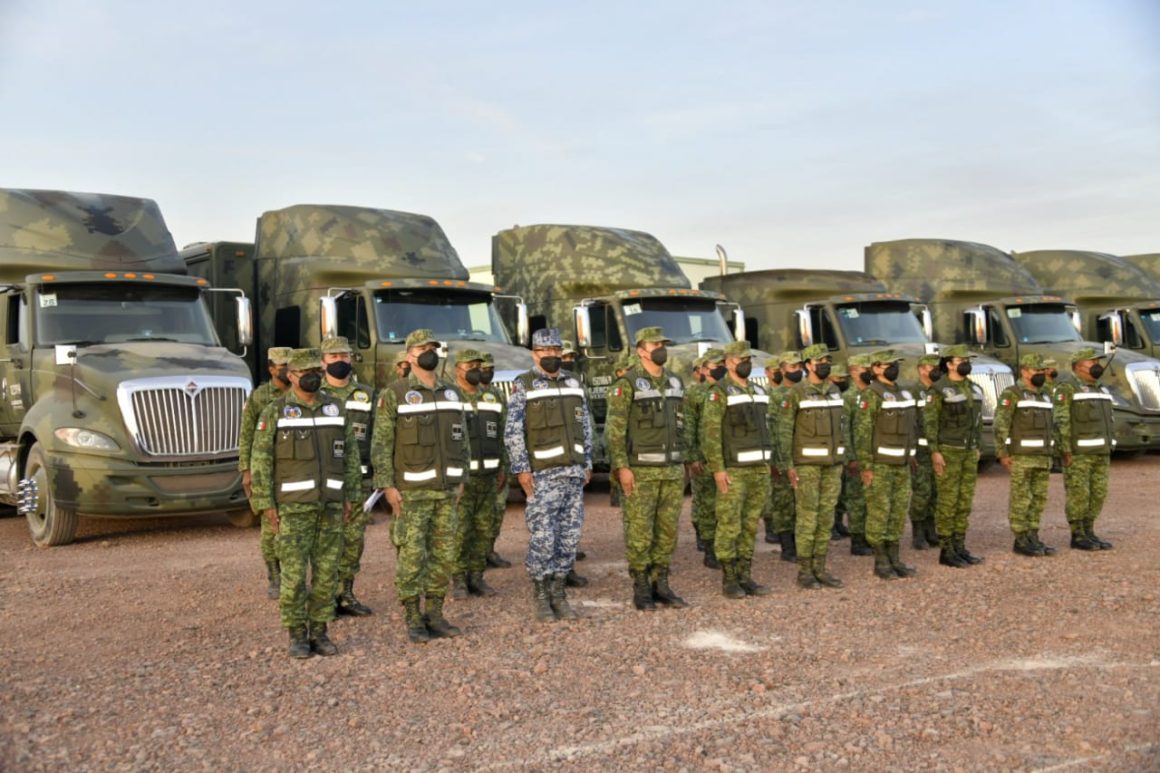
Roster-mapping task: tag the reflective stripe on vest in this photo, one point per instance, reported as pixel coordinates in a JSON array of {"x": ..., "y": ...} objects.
[
  {"x": 438, "y": 405},
  {"x": 1033, "y": 404},
  {"x": 1091, "y": 396},
  {"x": 540, "y": 394},
  {"x": 357, "y": 405},
  {"x": 1095, "y": 442},
  {"x": 923, "y": 442},
  {"x": 753, "y": 456},
  {"x": 488, "y": 464},
  {"x": 296, "y": 485},
  {"x": 321, "y": 421},
  {"x": 833, "y": 402}
]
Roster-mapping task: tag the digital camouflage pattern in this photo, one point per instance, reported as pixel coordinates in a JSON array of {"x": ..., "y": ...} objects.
[
  {"x": 704, "y": 490},
  {"x": 956, "y": 486},
  {"x": 819, "y": 486},
  {"x": 888, "y": 495},
  {"x": 354, "y": 530},
  {"x": 1029, "y": 473},
  {"x": 853, "y": 496},
  {"x": 1085, "y": 483},
  {"x": 923, "y": 495},
  {"x": 781, "y": 502},
  {"x": 255, "y": 404},
  {"x": 477, "y": 507}
]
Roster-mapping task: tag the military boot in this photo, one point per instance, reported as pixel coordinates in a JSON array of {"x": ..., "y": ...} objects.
[
  {"x": 348, "y": 604},
  {"x": 930, "y": 531},
  {"x": 496, "y": 561},
  {"x": 959, "y": 543},
  {"x": 1080, "y": 540},
  {"x": 558, "y": 597},
  {"x": 700, "y": 539},
  {"x": 770, "y": 537},
  {"x": 948, "y": 556},
  {"x": 543, "y": 606},
  {"x": 840, "y": 525},
  {"x": 710, "y": 561},
  {"x": 320, "y": 643},
  {"x": 788, "y": 546},
  {"x": 580, "y": 554},
  {"x": 477, "y": 586},
  {"x": 274, "y": 579},
  {"x": 918, "y": 536},
  {"x": 1025, "y": 547},
  {"x": 859, "y": 546},
  {"x": 823, "y": 575},
  {"x": 437, "y": 625},
  {"x": 1033, "y": 535},
  {"x": 882, "y": 567},
  {"x": 661, "y": 592},
  {"x": 458, "y": 587},
  {"x": 416, "y": 628},
  {"x": 299, "y": 643},
  {"x": 901, "y": 569},
  {"x": 730, "y": 588},
  {"x": 573, "y": 580},
  {"x": 642, "y": 595},
  {"x": 746, "y": 581},
  {"x": 805, "y": 575},
  {"x": 1089, "y": 527}
]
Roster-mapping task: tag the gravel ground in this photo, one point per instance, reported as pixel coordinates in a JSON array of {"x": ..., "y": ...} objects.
[{"x": 151, "y": 645}]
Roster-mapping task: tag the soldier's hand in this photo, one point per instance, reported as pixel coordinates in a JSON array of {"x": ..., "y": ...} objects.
[
  {"x": 1005, "y": 461},
  {"x": 525, "y": 481},
  {"x": 459, "y": 492},
  {"x": 913, "y": 464},
  {"x": 722, "y": 480},
  {"x": 500, "y": 481},
  {"x": 395, "y": 500},
  {"x": 246, "y": 480},
  {"x": 587, "y": 476},
  {"x": 696, "y": 468},
  {"x": 347, "y": 508},
  {"x": 1067, "y": 460},
  {"x": 627, "y": 480},
  {"x": 272, "y": 517},
  {"x": 791, "y": 473},
  {"x": 867, "y": 477},
  {"x": 939, "y": 463}
]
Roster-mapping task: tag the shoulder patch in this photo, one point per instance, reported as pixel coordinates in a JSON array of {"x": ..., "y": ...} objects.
[
  {"x": 292, "y": 412},
  {"x": 948, "y": 392},
  {"x": 360, "y": 396},
  {"x": 413, "y": 397},
  {"x": 572, "y": 383},
  {"x": 733, "y": 390},
  {"x": 451, "y": 395},
  {"x": 1005, "y": 401},
  {"x": 261, "y": 425},
  {"x": 488, "y": 397},
  {"x": 785, "y": 403},
  {"x": 618, "y": 391},
  {"x": 540, "y": 383},
  {"x": 1061, "y": 395},
  {"x": 642, "y": 384},
  {"x": 864, "y": 404},
  {"x": 330, "y": 409},
  {"x": 713, "y": 396},
  {"x": 674, "y": 382}
]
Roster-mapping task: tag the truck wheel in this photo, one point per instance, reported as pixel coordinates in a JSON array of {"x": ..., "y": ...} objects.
[
  {"x": 49, "y": 525},
  {"x": 243, "y": 519}
]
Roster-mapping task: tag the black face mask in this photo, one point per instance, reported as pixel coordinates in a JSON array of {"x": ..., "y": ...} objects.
[
  {"x": 428, "y": 360},
  {"x": 486, "y": 375},
  {"x": 1096, "y": 370},
  {"x": 550, "y": 364},
  {"x": 963, "y": 369},
  {"x": 891, "y": 372},
  {"x": 339, "y": 370},
  {"x": 718, "y": 372},
  {"x": 473, "y": 376},
  {"x": 310, "y": 382},
  {"x": 659, "y": 356},
  {"x": 777, "y": 377},
  {"x": 936, "y": 374},
  {"x": 823, "y": 370},
  {"x": 1053, "y": 373},
  {"x": 1038, "y": 380},
  {"x": 405, "y": 370},
  {"x": 284, "y": 375},
  {"x": 794, "y": 376},
  {"x": 744, "y": 368},
  {"x": 866, "y": 377},
  {"x": 842, "y": 385}
]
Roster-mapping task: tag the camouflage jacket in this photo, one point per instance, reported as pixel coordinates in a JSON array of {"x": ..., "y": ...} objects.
[
  {"x": 1064, "y": 397},
  {"x": 778, "y": 395},
  {"x": 353, "y": 396},
  {"x": 788, "y": 419},
  {"x": 695, "y": 395},
  {"x": 474, "y": 399},
  {"x": 616, "y": 424},
  {"x": 713, "y": 417},
  {"x": 258, "y": 400},
  {"x": 1005, "y": 413},
  {"x": 933, "y": 412},
  {"x": 850, "y": 400},
  {"x": 383, "y": 436},
  {"x": 515, "y": 429}
]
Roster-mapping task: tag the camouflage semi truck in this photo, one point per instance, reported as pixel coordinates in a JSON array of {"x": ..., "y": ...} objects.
[
  {"x": 118, "y": 399},
  {"x": 980, "y": 296},
  {"x": 372, "y": 275},
  {"x": 1118, "y": 302},
  {"x": 851, "y": 312}
]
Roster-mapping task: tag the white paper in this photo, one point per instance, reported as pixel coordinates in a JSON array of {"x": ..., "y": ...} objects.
[{"x": 375, "y": 496}]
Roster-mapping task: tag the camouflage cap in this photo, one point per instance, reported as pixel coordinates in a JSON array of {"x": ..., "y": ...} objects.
[
  {"x": 930, "y": 359},
  {"x": 815, "y": 352},
  {"x": 788, "y": 358},
  {"x": 546, "y": 337},
  {"x": 957, "y": 350},
  {"x": 883, "y": 356},
  {"x": 468, "y": 355},
  {"x": 699, "y": 361},
  {"x": 305, "y": 359},
  {"x": 1034, "y": 361},
  {"x": 1050, "y": 362},
  {"x": 567, "y": 347},
  {"x": 400, "y": 356},
  {"x": 336, "y": 345},
  {"x": 654, "y": 335},
  {"x": 714, "y": 355},
  {"x": 1086, "y": 353},
  {"x": 488, "y": 359},
  {"x": 738, "y": 349},
  {"x": 858, "y": 361},
  {"x": 421, "y": 337},
  {"x": 838, "y": 369},
  {"x": 278, "y": 355}
]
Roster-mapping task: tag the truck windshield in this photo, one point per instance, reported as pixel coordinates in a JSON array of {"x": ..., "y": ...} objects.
[
  {"x": 685, "y": 320},
  {"x": 450, "y": 314},
  {"x": 1041, "y": 323},
  {"x": 877, "y": 323},
  {"x": 1151, "y": 320},
  {"x": 117, "y": 313}
]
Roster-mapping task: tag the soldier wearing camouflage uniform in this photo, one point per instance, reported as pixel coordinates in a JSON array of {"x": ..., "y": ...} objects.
[
  {"x": 494, "y": 559},
  {"x": 1083, "y": 415},
  {"x": 840, "y": 378},
  {"x": 781, "y": 499},
  {"x": 886, "y": 436},
  {"x": 853, "y": 498},
  {"x": 813, "y": 438},
  {"x": 623, "y": 365},
  {"x": 704, "y": 510},
  {"x": 1023, "y": 443},
  {"x": 953, "y": 427},
  {"x": 549, "y": 440},
  {"x": 738, "y": 450},
  {"x": 420, "y": 456},
  {"x": 358, "y": 401},
  {"x": 923, "y": 498},
  {"x": 306, "y": 479},
  {"x": 276, "y": 359},
  {"x": 644, "y": 427}
]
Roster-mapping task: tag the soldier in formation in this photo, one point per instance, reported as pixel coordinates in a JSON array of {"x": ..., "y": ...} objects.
[
  {"x": 853, "y": 497},
  {"x": 781, "y": 498},
  {"x": 704, "y": 509},
  {"x": 1083, "y": 414},
  {"x": 923, "y": 499},
  {"x": 494, "y": 559}
]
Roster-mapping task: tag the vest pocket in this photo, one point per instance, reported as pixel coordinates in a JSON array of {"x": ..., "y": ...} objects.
[
  {"x": 304, "y": 444},
  {"x": 284, "y": 444}
]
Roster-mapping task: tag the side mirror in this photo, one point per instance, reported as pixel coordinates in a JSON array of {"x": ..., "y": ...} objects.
[
  {"x": 739, "y": 323},
  {"x": 523, "y": 331},
  {"x": 927, "y": 322},
  {"x": 328, "y": 316},
  {"x": 582, "y": 318},
  {"x": 245, "y": 320},
  {"x": 1115, "y": 327},
  {"x": 976, "y": 325},
  {"x": 805, "y": 326},
  {"x": 1076, "y": 320}
]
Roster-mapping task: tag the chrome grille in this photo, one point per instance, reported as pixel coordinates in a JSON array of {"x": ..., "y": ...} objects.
[
  {"x": 1145, "y": 380},
  {"x": 992, "y": 384},
  {"x": 184, "y": 417}
]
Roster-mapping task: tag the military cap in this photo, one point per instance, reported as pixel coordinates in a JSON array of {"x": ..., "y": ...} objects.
[
  {"x": 788, "y": 358},
  {"x": 957, "y": 350},
  {"x": 336, "y": 345},
  {"x": 858, "y": 361},
  {"x": 400, "y": 356},
  {"x": 305, "y": 359},
  {"x": 885, "y": 355},
  {"x": 278, "y": 355},
  {"x": 838, "y": 369},
  {"x": 546, "y": 337},
  {"x": 929, "y": 359},
  {"x": 738, "y": 349},
  {"x": 815, "y": 352},
  {"x": 468, "y": 355},
  {"x": 567, "y": 347},
  {"x": 488, "y": 359},
  {"x": 714, "y": 355},
  {"x": 651, "y": 335},
  {"x": 421, "y": 337},
  {"x": 1050, "y": 362},
  {"x": 699, "y": 361},
  {"x": 1086, "y": 353},
  {"x": 1034, "y": 361}
]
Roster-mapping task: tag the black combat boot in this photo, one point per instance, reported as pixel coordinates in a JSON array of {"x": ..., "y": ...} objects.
[
  {"x": 823, "y": 575},
  {"x": 730, "y": 588},
  {"x": 1033, "y": 535},
  {"x": 700, "y": 539},
  {"x": 558, "y": 597},
  {"x": 959, "y": 543},
  {"x": 580, "y": 555},
  {"x": 273, "y": 579},
  {"x": 710, "y": 561},
  {"x": 859, "y": 546},
  {"x": 661, "y": 592},
  {"x": 348, "y": 604},
  {"x": 746, "y": 581},
  {"x": 1089, "y": 527},
  {"x": 770, "y": 536},
  {"x": 840, "y": 525},
  {"x": 543, "y": 605},
  {"x": 320, "y": 643},
  {"x": 299, "y": 643},
  {"x": 948, "y": 556},
  {"x": 1025, "y": 547},
  {"x": 416, "y": 628},
  {"x": 930, "y": 531},
  {"x": 882, "y": 567},
  {"x": 1080, "y": 540},
  {"x": 642, "y": 595},
  {"x": 573, "y": 580},
  {"x": 918, "y": 536},
  {"x": 496, "y": 561},
  {"x": 805, "y": 575},
  {"x": 788, "y": 546},
  {"x": 437, "y": 625},
  {"x": 477, "y": 586},
  {"x": 901, "y": 569},
  {"x": 458, "y": 587}
]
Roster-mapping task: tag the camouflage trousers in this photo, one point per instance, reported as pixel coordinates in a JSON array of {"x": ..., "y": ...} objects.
[
  {"x": 476, "y": 524},
  {"x": 309, "y": 540},
  {"x": 738, "y": 511},
  {"x": 923, "y": 494},
  {"x": 853, "y": 501},
  {"x": 816, "y": 499},
  {"x": 956, "y": 491},
  {"x": 781, "y": 504},
  {"x": 501, "y": 498},
  {"x": 555, "y": 515},
  {"x": 268, "y": 542},
  {"x": 354, "y": 540},
  {"x": 1086, "y": 482},
  {"x": 1028, "y": 494},
  {"x": 705, "y": 505},
  {"x": 887, "y": 502},
  {"x": 425, "y": 534},
  {"x": 651, "y": 515}
]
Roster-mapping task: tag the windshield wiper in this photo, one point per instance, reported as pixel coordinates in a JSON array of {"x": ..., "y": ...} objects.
[
  {"x": 150, "y": 338},
  {"x": 78, "y": 343},
  {"x": 873, "y": 341},
  {"x": 702, "y": 341}
]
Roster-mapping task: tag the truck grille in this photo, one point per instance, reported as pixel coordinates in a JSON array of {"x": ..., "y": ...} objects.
[
  {"x": 1145, "y": 381},
  {"x": 992, "y": 384},
  {"x": 184, "y": 417}
]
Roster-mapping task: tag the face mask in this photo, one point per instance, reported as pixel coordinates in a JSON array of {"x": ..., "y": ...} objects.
[
  {"x": 568, "y": 364},
  {"x": 405, "y": 371},
  {"x": 963, "y": 369},
  {"x": 1039, "y": 379},
  {"x": 428, "y": 360},
  {"x": 310, "y": 382},
  {"x": 936, "y": 374},
  {"x": 1096, "y": 370},
  {"x": 744, "y": 368},
  {"x": 339, "y": 370},
  {"x": 865, "y": 377},
  {"x": 794, "y": 376},
  {"x": 891, "y": 372},
  {"x": 777, "y": 377},
  {"x": 550, "y": 364},
  {"x": 823, "y": 370},
  {"x": 473, "y": 377},
  {"x": 486, "y": 375},
  {"x": 284, "y": 375},
  {"x": 659, "y": 356},
  {"x": 1053, "y": 373},
  {"x": 717, "y": 373},
  {"x": 842, "y": 385}
]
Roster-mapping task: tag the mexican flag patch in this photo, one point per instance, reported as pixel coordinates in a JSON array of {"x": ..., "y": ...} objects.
[
  {"x": 261, "y": 425},
  {"x": 713, "y": 396}
]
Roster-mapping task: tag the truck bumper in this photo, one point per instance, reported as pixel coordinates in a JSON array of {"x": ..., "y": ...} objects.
[
  {"x": 1136, "y": 432},
  {"x": 112, "y": 488}
]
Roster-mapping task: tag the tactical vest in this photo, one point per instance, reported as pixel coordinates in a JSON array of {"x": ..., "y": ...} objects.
[
  {"x": 429, "y": 435},
  {"x": 554, "y": 421},
  {"x": 655, "y": 420},
  {"x": 1091, "y": 420},
  {"x": 1031, "y": 426},
  {"x": 359, "y": 405},
  {"x": 921, "y": 400},
  {"x": 309, "y": 453},
  {"x": 895, "y": 426},
  {"x": 484, "y": 432},
  {"x": 817, "y": 429},
  {"x": 961, "y": 413},
  {"x": 745, "y": 440}
]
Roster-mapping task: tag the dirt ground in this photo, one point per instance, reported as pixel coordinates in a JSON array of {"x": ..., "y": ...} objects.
[{"x": 151, "y": 645}]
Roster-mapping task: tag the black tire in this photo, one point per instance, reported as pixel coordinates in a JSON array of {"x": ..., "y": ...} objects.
[
  {"x": 243, "y": 519},
  {"x": 49, "y": 525}
]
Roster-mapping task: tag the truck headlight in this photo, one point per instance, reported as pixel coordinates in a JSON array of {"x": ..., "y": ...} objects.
[{"x": 86, "y": 439}]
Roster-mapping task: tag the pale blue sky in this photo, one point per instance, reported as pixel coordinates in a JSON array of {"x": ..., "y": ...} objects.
[{"x": 794, "y": 133}]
